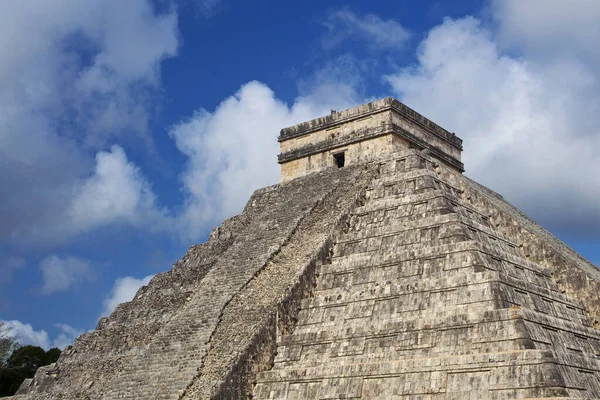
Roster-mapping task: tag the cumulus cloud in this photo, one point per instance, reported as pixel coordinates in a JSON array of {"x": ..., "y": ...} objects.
[
  {"x": 67, "y": 335},
  {"x": 232, "y": 151},
  {"x": 379, "y": 34},
  {"x": 61, "y": 274},
  {"x": 549, "y": 28},
  {"x": 27, "y": 335},
  {"x": 82, "y": 77},
  {"x": 530, "y": 128},
  {"x": 116, "y": 191},
  {"x": 124, "y": 289}
]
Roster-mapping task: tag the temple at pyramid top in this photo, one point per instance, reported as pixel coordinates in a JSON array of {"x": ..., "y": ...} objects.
[{"x": 362, "y": 134}]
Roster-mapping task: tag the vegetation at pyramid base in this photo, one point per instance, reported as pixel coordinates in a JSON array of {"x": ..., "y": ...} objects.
[{"x": 18, "y": 363}]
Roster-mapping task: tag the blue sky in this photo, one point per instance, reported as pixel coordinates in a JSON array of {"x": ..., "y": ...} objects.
[{"x": 128, "y": 130}]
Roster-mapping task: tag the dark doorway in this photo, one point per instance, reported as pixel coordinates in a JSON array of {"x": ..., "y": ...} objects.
[{"x": 340, "y": 159}]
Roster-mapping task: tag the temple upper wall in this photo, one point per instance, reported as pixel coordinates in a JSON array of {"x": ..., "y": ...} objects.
[{"x": 360, "y": 134}]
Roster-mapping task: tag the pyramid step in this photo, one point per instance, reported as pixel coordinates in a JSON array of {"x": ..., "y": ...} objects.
[
  {"x": 443, "y": 319},
  {"x": 329, "y": 318},
  {"x": 465, "y": 284},
  {"x": 386, "y": 222},
  {"x": 383, "y": 246},
  {"x": 418, "y": 275},
  {"x": 400, "y": 200},
  {"x": 511, "y": 374},
  {"x": 413, "y": 253},
  {"x": 397, "y": 226},
  {"x": 442, "y": 363}
]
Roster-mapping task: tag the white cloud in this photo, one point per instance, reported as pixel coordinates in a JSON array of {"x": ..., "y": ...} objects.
[
  {"x": 116, "y": 192},
  {"x": 26, "y": 335},
  {"x": 67, "y": 335},
  {"x": 61, "y": 274},
  {"x": 549, "y": 28},
  {"x": 124, "y": 289},
  {"x": 83, "y": 76},
  {"x": 530, "y": 129},
  {"x": 232, "y": 151},
  {"x": 379, "y": 34}
]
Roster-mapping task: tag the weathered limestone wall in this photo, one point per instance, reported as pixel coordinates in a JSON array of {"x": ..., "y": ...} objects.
[
  {"x": 343, "y": 132},
  {"x": 447, "y": 147},
  {"x": 354, "y": 153},
  {"x": 308, "y": 147},
  {"x": 574, "y": 275}
]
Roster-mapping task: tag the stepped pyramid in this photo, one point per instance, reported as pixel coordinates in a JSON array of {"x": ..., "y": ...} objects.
[{"x": 374, "y": 270}]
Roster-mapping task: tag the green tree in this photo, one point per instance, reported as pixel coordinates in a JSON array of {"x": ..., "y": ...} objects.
[
  {"x": 52, "y": 355},
  {"x": 27, "y": 358},
  {"x": 10, "y": 381},
  {"x": 22, "y": 364}
]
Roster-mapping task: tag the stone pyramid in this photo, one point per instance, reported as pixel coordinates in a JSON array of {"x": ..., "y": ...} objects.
[{"x": 374, "y": 270}]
